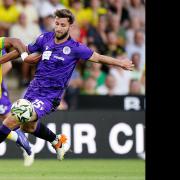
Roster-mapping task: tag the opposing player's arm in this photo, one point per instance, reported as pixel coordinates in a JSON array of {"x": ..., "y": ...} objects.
[
  {"x": 18, "y": 47},
  {"x": 14, "y": 43},
  {"x": 9, "y": 56},
  {"x": 124, "y": 63}
]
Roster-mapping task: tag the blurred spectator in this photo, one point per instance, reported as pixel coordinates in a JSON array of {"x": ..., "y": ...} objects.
[
  {"x": 49, "y": 7},
  {"x": 135, "y": 25},
  {"x": 26, "y": 32},
  {"x": 26, "y": 7},
  {"x": 8, "y": 15},
  {"x": 137, "y": 47},
  {"x": 118, "y": 29},
  {"x": 117, "y": 7},
  {"x": 37, "y": 4},
  {"x": 122, "y": 79},
  {"x": 79, "y": 34},
  {"x": 98, "y": 35},
  {"x": 109, "y": 87},
  {"x": 137, "y": 72},
  {"x": 94, "y": 11},
  {"x": 47, "y": 23},
  {"x": 135, "y": 87},
  {"x": 89, "y": 86},
  {"x": 137, "y": 9},
  {"x": 66, "y": 3},
  {"x": 95, "y": 72},
  {"x": 81, "y": 14},
  {"x": 114, "y": 49}
]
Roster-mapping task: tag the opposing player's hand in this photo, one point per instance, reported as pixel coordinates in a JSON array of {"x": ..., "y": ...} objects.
[{"x": 127, "y": 64}]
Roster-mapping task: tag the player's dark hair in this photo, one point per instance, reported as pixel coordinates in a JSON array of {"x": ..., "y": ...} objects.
[{"x": 65, "y": 13}]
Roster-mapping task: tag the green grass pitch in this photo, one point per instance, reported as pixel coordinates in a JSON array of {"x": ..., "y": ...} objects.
[{"x": 84, "y": 169}]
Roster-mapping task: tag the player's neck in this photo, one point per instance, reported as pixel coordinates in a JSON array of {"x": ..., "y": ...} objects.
[{"x": 60, "y": 41}]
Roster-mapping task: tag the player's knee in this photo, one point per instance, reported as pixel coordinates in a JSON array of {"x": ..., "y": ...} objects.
[
  {"x": 10, "y": 122},
  {"x": 4, "y": 116},
  {"x": 29, "y": 127}
]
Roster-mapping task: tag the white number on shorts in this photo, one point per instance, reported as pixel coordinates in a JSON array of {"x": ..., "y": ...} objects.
[{"x": 38, "y": 104}]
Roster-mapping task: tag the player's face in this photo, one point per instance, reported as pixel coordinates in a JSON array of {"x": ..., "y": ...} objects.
[{"x": 61, "y": 27}]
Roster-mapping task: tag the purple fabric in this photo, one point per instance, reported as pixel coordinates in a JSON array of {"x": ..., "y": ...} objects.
[
  {"x": 54, "y": 70},
  {"x": 37, "y": 128},
  {"x": 41, "y": 104},
  {"x": 4, "y": 130},
  {"x": 44, "y": 133},
  {"x": 16, "y": 128},
  {"x": 5, "y": 103},
  {"x": 58, "y": 61}
]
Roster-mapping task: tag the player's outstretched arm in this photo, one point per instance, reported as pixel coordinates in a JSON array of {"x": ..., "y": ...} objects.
[
  {"x": 124, "y": 63},
  {"x": 9, "y": 56}
]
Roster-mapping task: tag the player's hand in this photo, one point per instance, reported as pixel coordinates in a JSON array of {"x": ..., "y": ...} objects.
[{"x": 127, "y": 64}]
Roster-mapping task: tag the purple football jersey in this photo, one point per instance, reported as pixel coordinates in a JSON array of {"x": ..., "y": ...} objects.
[
  {"x": 57, "y": 63},
  {"x": 53, "y": 71}
]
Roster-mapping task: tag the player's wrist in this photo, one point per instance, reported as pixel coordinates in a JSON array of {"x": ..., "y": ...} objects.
[{"x": 24, "y": 55}]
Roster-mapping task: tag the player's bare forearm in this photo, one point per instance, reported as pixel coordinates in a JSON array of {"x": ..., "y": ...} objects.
[
  {"x": 124, "y": 63},
  {"x": 14, "y": 43},
  {"x": 32, "y": 58},
  {"x": 9, "y": 56}
]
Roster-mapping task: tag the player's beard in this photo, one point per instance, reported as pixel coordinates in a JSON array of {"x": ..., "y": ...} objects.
[{"x": 63, "y": 36}]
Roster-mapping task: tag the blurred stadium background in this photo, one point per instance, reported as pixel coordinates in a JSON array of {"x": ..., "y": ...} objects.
[{"x": 103, "y": 109}]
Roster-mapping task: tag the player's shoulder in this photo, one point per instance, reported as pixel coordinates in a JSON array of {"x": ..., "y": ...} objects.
[
  {"x": 46, "y": 35},
  {"x": 76, "y": 44}
]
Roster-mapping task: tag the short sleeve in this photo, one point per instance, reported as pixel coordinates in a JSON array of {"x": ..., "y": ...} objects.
[
  {"x": 83, "y": 52},
  {"x": 37, "y": 45}
]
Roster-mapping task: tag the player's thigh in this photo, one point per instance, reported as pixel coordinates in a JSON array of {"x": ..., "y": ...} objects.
[{"x": 42, "y": 107}]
